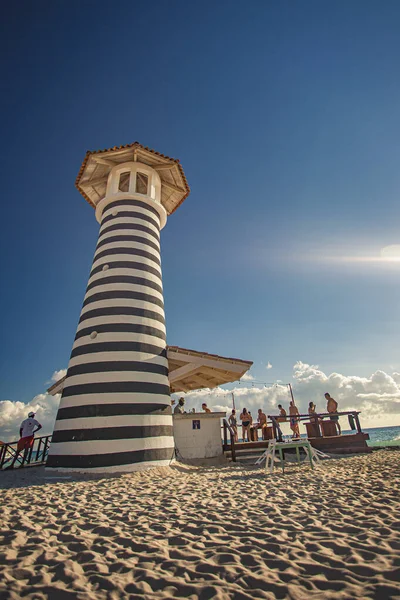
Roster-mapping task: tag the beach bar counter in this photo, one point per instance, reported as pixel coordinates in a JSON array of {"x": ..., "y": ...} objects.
[{"x": 198, "y": 435}]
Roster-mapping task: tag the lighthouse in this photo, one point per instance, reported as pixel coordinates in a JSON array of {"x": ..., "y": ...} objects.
[{"x": 115, "y": 409}]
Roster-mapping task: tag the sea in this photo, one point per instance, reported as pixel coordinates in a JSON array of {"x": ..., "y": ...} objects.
[{"x": 383, "y": 436}]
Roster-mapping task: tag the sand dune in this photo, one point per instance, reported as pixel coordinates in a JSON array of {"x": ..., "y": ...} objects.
[{"x": 217, "y": 532}]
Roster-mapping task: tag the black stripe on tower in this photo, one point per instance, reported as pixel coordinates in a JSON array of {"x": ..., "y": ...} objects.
[
  {"x": 122, "y": 365},
  {"x": 121, "y": 328},
  {"x": 119, "y": 347},
  {"x": 114, "y": 410},
  {"x": 125, "y": 264},
  {"x": 114, "y": 459},
  {"x": 133, "y": 251},
  {"x": 122, "y": 310},
  {"x": 134, "y": 204},
  {"x": 131, "y": 214},
  {"x": 111, "y": 433},
  {"x": 128, "y": 238},
  {"x": 116, "y": 387},
  {"x": 134, "y": 226},
  {"x": 123, "y": 294},
  {"x": 125, "y": 279}
]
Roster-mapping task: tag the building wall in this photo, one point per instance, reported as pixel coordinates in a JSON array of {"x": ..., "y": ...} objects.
[{"x": 191, "y": 442}]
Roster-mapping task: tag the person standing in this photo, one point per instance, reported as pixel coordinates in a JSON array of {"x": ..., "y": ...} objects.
[
  {"x": 27, "y": 431},
  {"x": 311, "y": 411},
  {"x": 282, "y": 414},
  {"x": 331, "y": 407},
  {"x": 262, "y": 419},
  {"x": 246, "y": 420},
  {"x": 233, "y": 423},
  {"x": 179, "y": 408},
  {"x": 294, "y": 420},
  {"x": 205, "y": 408}
]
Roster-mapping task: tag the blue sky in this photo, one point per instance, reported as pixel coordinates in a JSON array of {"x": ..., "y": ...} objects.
[{"x": 285, "y": 116}]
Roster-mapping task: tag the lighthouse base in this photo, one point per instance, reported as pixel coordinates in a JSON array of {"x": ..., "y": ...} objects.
[{"x": 142, "y": 466}]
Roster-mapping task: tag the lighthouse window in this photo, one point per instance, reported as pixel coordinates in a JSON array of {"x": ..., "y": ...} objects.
[
  {"x": 124, "y": 182},
  {"x": 142, "y": 182}
]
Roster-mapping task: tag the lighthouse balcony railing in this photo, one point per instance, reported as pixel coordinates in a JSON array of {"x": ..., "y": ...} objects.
[{"x": 36, "y": 455}]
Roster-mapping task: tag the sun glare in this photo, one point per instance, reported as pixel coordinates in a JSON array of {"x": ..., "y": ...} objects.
[{"x": 391, "y": 253}]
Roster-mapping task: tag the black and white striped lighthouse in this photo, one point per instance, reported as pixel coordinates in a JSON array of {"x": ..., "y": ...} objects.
[{"x": 115, "y": 410}]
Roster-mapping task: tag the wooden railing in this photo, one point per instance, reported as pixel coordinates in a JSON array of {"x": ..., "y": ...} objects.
[
  {"x": 316, "y": 417},
  {"x": 37, "y": 454},
  {"x": 226, "y": 427}
]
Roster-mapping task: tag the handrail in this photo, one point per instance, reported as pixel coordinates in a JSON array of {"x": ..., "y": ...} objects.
[
  {"x": 327, "y": 414},
  {"x": 314, "y": 417},
  {"x": 227, "y": 427},
  {"x": 37, "y": 454}
]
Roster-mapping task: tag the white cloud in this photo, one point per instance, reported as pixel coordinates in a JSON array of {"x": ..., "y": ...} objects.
[
  {"x": 377, "y": 396},
  {"x": 247, "y": 377},
  {"x": 58, "y": 375},
  {"x": 268, "y": 365},
  {"x": 13, "y": 413}
]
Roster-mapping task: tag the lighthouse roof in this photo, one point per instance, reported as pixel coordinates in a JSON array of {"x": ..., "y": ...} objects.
[{"x": 93, "y": 174}]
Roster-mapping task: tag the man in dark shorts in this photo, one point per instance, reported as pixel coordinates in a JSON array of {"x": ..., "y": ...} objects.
[
  {"x": 27, "y": 435},
  {"x": 332, "y": 407}
]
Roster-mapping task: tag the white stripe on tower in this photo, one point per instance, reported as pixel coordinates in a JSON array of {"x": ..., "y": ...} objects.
[{"x": 115, "y": 410}]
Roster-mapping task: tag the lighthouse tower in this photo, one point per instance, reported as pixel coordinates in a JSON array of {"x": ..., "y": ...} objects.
[{"x": 115, "y": 409}]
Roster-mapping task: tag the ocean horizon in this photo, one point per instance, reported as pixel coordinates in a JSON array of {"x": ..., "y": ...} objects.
[
  {"x": 383, "y": 436},
  {"x": 378, "y": 436}
]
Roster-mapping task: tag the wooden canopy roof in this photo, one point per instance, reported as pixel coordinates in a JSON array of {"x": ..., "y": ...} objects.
[
  {"x": 192, "y": 370},
  {"x": 93, "y": 174}
]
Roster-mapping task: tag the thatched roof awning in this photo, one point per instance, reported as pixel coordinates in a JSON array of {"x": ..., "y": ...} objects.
[{"x": 192, "y": 370}]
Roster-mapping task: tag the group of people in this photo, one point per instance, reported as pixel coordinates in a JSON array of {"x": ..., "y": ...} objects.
[
  {"x": 331, "y": 407},
  {"x": 180, "y": 407},
  {"x": 30, "y": 426},
  {"x": 248, "y": 423}
]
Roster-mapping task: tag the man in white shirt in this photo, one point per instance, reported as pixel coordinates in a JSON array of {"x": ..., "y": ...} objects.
[
  {"x": 179, "y": 408},
  {"x": 27, "y": 431}
]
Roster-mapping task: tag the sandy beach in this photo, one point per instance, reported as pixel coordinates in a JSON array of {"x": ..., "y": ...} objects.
[{"x": 204, "y": 532}]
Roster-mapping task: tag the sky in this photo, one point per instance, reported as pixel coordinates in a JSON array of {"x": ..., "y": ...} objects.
[{"x": 285, "y": 116}]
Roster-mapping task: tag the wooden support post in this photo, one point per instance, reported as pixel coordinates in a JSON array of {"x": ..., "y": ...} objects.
[
  {"x": 357, "y": 420},
  {"x": 233, "y": 448},
  {"x": 46, "y": 448},
  {"x": 38, "y": 449},
  {"x": 225, "y": 434}
]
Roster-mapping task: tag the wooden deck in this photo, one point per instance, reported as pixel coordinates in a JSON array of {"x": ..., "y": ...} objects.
[{"x": 351, "y": 443}]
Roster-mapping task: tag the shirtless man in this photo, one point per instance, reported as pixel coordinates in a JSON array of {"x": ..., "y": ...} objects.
[
  {"x": 282, "y": 414},
  {"x": 294, "y": 422},
  {"x": 262, "y": 419},
  {"x": 331, "y": 407},
  {"x": 233, "y": 423}
]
